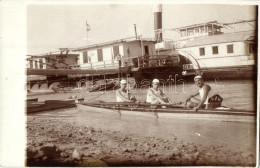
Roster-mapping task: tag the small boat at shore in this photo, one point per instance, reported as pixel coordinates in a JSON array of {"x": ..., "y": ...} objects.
[
  {"x": 32, "y": 100},
  {"x": 69, "y": 90},
  {"x": 102, "y": 87},
  {"x": 39, "y": 92},
  {"x": 35, "y": 106},
  {"x": 169, "y": 111}
]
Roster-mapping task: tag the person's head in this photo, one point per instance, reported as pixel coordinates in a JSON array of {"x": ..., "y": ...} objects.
[
  {"x": 123, "y": 84},
  {"x": 199, "y": 81},
  {"x": 156, "y": 83}
]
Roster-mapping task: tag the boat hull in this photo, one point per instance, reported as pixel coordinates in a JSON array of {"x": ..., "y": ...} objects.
[
  {"x": 73, "y": 90},
  {"x": 175, "y": 113},
  {"x": 49, "y": 105}
]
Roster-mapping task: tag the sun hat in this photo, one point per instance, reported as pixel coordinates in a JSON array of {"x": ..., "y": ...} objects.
[
  {"x": 198, "y": 77},
  {"x": 123, "y": 81},
  {"x": 156, "y": 81}
]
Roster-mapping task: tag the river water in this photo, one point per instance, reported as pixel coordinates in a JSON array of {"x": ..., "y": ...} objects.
[{"x": 233, "y": 135}]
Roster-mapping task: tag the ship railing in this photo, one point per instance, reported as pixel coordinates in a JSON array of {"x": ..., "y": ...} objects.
[
  {"x": 134, "y": 62},
  {"x": 103, "y": 64},
  {"x": 154, "y": 60}
]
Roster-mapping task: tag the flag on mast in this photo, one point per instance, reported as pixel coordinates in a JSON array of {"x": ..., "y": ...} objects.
[{"x": 87, "y": 26}]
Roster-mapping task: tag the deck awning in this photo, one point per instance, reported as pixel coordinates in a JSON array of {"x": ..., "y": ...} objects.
[
  {"x": 53, "y": 72},
  {"x": 36, "y": 77},
  {"x": 221, "y": 38}
]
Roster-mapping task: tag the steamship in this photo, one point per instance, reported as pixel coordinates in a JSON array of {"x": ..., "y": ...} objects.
[{"x": 201, "y": 49}]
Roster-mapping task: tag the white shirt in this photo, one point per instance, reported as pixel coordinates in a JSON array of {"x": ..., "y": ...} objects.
[
  {"x": 201, "y": 92},
  {"x": 151, "y": 98},
  {"x": 121, "y": 96}
]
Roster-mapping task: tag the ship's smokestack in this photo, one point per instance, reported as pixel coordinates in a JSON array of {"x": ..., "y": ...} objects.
[{"x": 157, "y": 10}]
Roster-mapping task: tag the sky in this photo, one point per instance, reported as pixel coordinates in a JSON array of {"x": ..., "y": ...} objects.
[{"x": 50, "y": 27}]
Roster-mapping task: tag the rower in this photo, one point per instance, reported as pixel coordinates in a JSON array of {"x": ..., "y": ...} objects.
[
  {"x": 123, "y": 95},
  {"x": 205, "y": 92},
  {"x": 155, "y": 94}
]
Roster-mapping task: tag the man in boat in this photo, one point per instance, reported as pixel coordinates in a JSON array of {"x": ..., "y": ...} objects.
[
  {"x": 155, "y": 94},
  {"x": 123, "y": 95},
  {"x": 205, "y": 92}
]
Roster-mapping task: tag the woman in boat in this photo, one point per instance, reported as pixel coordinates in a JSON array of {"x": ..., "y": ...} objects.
[
  {"x": 155, "y": 94},
  {"x": 123, "y": 95},
  {"x": 205, "y": 92}
]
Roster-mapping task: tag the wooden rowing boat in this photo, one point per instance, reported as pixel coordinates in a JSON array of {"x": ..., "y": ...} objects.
[
  {"x": 94, "y": 88},
  {"x": 39, "y": 92},
  {"x": 169, "y": 111},
  {"x": 32, "y": 100},
  {"x": 102, "y": 87},
  {"x": 69, "y": 90},
  {"x": 36, "y": 106}
]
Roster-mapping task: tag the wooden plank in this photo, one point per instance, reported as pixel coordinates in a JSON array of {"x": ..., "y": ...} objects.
[{"x": 75, "y": 71}]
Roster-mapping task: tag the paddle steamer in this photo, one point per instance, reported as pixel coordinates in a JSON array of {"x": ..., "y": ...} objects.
[{"x": 200, "y": 49}]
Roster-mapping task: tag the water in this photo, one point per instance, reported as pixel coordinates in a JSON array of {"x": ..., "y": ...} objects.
[
  {"x": 238, "y": 94},
  {"x": 234, "y": 135}
]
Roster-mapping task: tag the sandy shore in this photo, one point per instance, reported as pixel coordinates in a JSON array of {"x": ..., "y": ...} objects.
[{"x": 55, "y": 143}]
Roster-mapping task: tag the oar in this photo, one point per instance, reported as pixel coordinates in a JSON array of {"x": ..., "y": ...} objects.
[
  {"x": 133, "y": 104},
  {"x": 96, "y": 96}
]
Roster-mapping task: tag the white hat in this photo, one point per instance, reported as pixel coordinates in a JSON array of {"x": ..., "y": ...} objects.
[
  {"x": 156, "y": 81},
  {"x": 198, "y": 77},
  {"x": 123, "y": 81}
]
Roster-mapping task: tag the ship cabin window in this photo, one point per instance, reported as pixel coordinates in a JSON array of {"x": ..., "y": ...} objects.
[
  {"x": 115, "y": 51},
  {"x": 251, "y": 48},
  {"x": 85, "y": 56},
  {"x": 60, "y": 59},
  {"x": 215, "y": 50},
  {"x": 183, "y": 33},
  {"x": 41, "y": 64},
  {"x": 214, "y": 29},
  {"x": 202, "y": 30},
  {"x": 230, "y": 48},
  {"x": 100, "y": 54},
  {"x": 202, "y": 51},
  {"x": 31, "y": 64},
  {"x": 197, "y": 30},
  {"x": 206, "y": 29},
  {"x": 210, "y": 29},
  {"x": 36, "y": 64},
  {"x": 146, "y": 50},
  {"x": 190, "y": 32}
]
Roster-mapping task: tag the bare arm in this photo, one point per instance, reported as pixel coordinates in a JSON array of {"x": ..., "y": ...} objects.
[
  {"x": 132, "y": 97},
  {"x": 158, "y": 97},
  {"x": 191, "y": 96}
]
